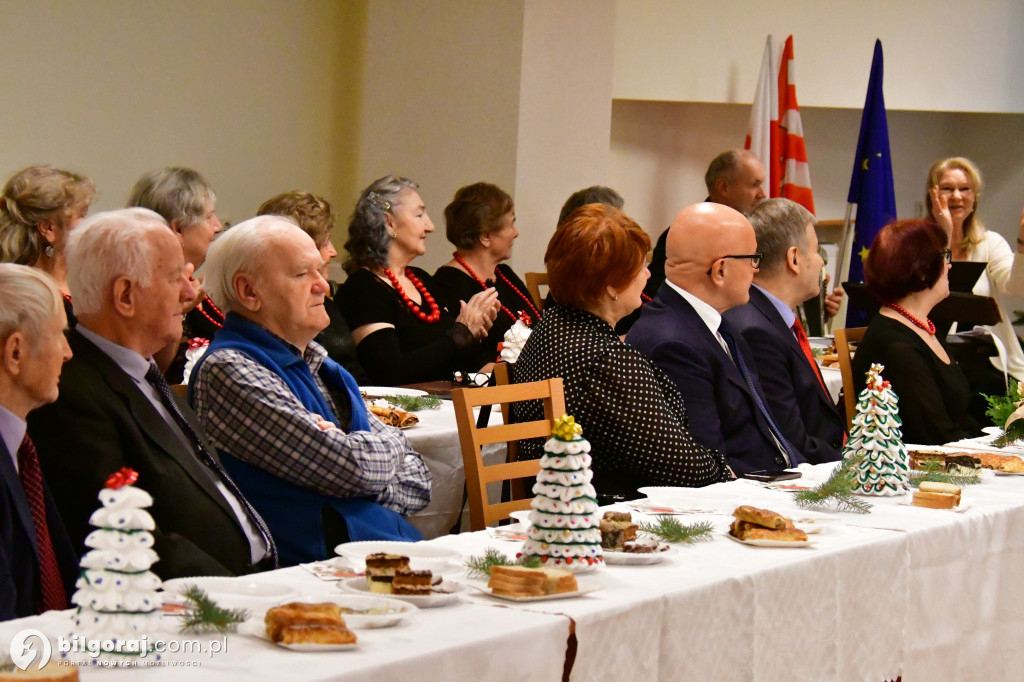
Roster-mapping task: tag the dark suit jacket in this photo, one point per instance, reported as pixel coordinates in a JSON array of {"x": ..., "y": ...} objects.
[
  {"x": 720, "y": 407},
  {"x": 798, "y": 402},
  {"x": 102, "y": 422},
  {"x": 19, "y": 556}
]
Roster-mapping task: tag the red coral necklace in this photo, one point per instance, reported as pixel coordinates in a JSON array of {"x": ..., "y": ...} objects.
[
  {"x": 930, "y": 327},
  {"x": 435, "y": 310},
  {"x": 503, "y": 278},
  {"x": 214, "y": 309}
]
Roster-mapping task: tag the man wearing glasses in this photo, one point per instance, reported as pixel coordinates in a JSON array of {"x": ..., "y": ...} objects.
[
  {"x": 711, "y": 258},
  {"x": 793, "y": 386}
]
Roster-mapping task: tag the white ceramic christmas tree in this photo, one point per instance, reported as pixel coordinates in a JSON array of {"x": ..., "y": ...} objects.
[
  {"x": 565, "y": 528},
  {"x": 876, "y": 440},
  {"x": 116, "y": 592}
]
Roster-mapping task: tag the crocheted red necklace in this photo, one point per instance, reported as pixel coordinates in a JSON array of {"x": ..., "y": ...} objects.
[
  {"x": 435, "y": 310},
  {"x": 930, "y": 327},
  {"x": 513, "y": 287}
]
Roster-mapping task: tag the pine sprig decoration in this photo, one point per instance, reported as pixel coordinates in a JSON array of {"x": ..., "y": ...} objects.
[
  {"x": 837, "y": 492},
  {"x": 1000, "y": 407},
  {"x": 414, "y": 403},
  {"x": 479, "y": 566},
  {"x": 203, "y": 615},
  {"x": 673, "y": 530},
  {"x": 931, "y": 470}
]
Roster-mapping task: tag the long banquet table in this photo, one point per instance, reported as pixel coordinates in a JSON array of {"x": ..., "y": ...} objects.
[{"x": 926, "y": 594}]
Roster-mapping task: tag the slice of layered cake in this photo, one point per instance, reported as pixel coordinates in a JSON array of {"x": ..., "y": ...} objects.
[
  {"x": 414, "y": 583},
  {"x": 381, "y": 569}
]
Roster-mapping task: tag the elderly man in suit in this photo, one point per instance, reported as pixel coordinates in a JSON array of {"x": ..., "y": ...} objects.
[
  {"x": 37, "y": 563},
  {"x": 711, "y": 259},
  {"x": 788, "y": 276},
  {"x": 289, "y": 422},
  {"x": 130, "y": 282}
]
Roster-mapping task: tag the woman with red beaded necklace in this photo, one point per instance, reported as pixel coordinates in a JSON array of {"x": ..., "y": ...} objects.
[
  {"x": 480, "y": 223},
  {"x": 402, "y": 333},
  {"x": 907, "y": 270}
]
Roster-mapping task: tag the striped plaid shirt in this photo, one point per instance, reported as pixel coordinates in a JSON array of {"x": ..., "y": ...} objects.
[{"x": 248, "y": 412}]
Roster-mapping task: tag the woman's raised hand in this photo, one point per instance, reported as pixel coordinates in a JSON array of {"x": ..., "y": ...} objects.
[
  {"x": 940, "y": 210},
  {"x": 479, "y": 312}
]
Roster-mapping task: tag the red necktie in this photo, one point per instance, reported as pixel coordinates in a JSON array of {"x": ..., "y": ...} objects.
[
  {"x": 805, "y": 346},
  {"x": 53, "y": 596}
]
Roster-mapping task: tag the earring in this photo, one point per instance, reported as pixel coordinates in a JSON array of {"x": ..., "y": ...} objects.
[
  {"x": 615, "y": 297},
  {"x": 394, "y": 235},
  {"x": 48, "y": 250}
]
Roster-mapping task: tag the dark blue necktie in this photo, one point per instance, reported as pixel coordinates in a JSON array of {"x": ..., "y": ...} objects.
[
  {"x": 792, "y": 454},
  {"x": 156, "y": 379}
]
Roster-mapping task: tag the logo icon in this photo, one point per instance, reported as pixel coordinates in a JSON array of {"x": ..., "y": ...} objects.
[{"x": 23, "y": 655}]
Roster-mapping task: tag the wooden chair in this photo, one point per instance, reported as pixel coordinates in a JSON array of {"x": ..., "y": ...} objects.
[
  {"x": 534, "y": 281},
  {"x": 845, "y": 337},
  {"x": 180, "y": 389},
  {"x": 472, "y": 439}
]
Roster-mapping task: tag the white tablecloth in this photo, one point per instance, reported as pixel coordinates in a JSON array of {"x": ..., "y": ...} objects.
[
  {"x": 927, "y": 594},
  {"x": 436, "y": 437}
]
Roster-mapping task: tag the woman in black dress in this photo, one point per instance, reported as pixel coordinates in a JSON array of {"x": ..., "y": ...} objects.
[
  {"x": 402, "y": 333},
  {"x": 631, "y": 412},
  {"x": 907, "y": 270},
  {"x": 39, "y": 207},
  {"x": 315, "y": 216},
  {"x": 481, "y": 224}
]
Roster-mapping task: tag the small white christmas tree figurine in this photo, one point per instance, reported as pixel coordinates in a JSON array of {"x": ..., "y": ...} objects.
[
  {"x": 116, "y": 592},
  {"x": 876, "y": 440},
  {"x": 565, "y": 528}
]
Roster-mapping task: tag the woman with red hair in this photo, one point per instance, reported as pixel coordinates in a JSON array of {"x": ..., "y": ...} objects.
[
  {"x": 907, "y": 270},
  {"x": 631, "y": 412}
]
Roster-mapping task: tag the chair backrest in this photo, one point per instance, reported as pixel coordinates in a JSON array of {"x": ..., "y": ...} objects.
[
  {"x": 534, "y": 281},
  {"x": 845, "y": 337},
  {"x": 472, "y": 439},
  {"x": 180, "y": 389}
]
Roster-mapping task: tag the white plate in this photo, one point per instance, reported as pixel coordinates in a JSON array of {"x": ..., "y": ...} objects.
[
  {"x": 770, "y": 543},
  {"x": 1005, "y": 473},
  {"x": 254, "y": 627},
  {"x": 813, "y": 524},
  {"x": 633, "y": 559},
  {"x": 435, "y": 599},
  {"x": 522, "y": 516},
  {"x": 385, "y": 391},
  {"x": 662, "y": 507},
  {"x": 909, "y": 502},
  {"x": 219, "y": 586},
  {"x": 547, "y": 597},
  {"x": 422, "y": 556},
  {"x": 393, "y": 611}
]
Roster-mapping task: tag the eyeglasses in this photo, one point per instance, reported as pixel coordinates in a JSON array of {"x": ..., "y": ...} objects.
[
  {"x": 472, "y": 378},
  {"x": 948, "y": 191},
  {"x": 947, "y": 255},
  {"x": 755, "y": 260}
]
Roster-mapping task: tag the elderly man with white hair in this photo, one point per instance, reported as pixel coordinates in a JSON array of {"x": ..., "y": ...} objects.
[
  {"x": 289, "y": 422},
  {"x": 37, "y": 563},
  {"x": 129, "y": 280}
]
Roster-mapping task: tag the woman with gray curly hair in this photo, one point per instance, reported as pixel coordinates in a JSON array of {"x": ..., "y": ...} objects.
[
  {"x": 40, "y": 206},
  {"x": 402, "y": 334}
]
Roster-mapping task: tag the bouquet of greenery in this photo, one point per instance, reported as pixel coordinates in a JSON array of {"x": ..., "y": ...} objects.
[{"x": 1007, "y": 413}]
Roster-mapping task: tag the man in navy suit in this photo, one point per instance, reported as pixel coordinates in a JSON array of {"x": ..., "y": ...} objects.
[
  {"x": 711, "y": 259},
  {"x": 789, "y": 275},
  {"x": 37, "y": 564}
]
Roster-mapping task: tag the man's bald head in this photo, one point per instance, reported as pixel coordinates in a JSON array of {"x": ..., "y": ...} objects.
[
  {"x": 699, "y": 238},
  {"x": 736, "y": 178}
]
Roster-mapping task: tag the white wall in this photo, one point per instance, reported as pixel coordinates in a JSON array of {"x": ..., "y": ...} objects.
[
  {"x": 660, "y": 150},
  {"x": 565, "y": 112},
  {"x": 441, "y": 100},
  {"x": 942, "y": 55},
  {"x": 250, "y": 93}
]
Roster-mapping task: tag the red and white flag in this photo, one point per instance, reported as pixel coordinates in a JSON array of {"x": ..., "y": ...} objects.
[{"x": 776, "y": 134}]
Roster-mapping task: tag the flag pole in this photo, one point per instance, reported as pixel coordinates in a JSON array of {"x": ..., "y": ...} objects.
[{"x": 842, "y": 265}]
